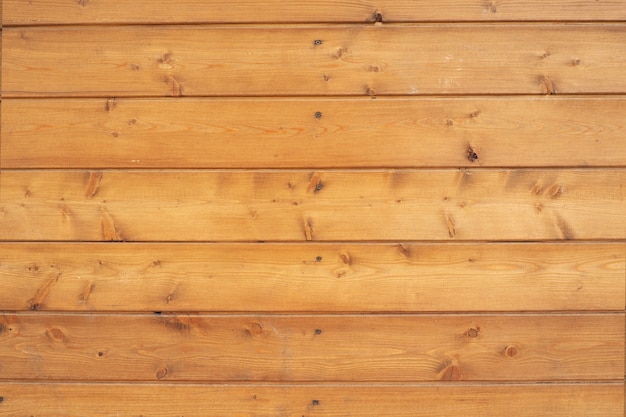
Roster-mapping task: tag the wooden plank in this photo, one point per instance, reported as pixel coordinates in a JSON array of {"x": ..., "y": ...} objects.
[
  {"x": 319, "y": 205},
  {"x": 187, "y": 347},
  {"x": 168, "y": 400},
  {"x": 42, "y": 12},
  {"x": 312, "y": 278},
  {"x": 314, "y": 60},
  {"x": 282, "y": 133}
]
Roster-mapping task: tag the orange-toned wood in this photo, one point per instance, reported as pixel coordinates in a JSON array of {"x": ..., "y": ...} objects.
[
  {"x": 313, "y": 205},
  {"x": 451, "y": 400},
  {"x": 38, "y": 12},
  {"x": 314, "y": 60},
  {"x": 312, "y": 277},
  {"x": 313, "y": 133},
  {"x": 362, "y": 348}
]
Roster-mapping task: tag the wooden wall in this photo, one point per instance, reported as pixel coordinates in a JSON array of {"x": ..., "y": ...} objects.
[{"x": 313, "y": 208}]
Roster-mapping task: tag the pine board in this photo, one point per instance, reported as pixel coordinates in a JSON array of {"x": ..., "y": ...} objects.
[
  {"x": 314, "y": 132},
  {"x": 46, "y": 12},
  {"x": 340, "y": 348},
  {"x": 174, "y": 400},
  {"x": 286, "y": 60},
  {"x": 297, "y": 205},
  {"x": 346, "y": 277}
]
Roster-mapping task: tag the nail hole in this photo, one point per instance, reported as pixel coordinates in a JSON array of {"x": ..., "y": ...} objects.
[
  {"x": 318, "y": 114},
  {"x": 318, "y": 331},
  {"x": 317, "y": 42}
]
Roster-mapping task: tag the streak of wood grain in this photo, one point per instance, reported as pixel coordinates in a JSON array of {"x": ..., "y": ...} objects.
[
  {"x": 314, "y": 60},
  {"x": 187, "y": 347},
  {"x": 285, "y": 133},
  {"x": 167, "y": 400},
  {"x": 42, "y": 12},
  {"x": 322, "y": 206},
  {"x": 319, "y": 277}
]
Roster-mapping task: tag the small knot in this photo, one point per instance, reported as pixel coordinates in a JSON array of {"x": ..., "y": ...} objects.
[
  {"x": 472, "y": 156},
  {"x": 547, "y": 85},
  {"x": 377, "y": 17},
  {"x": 345, "y": 258},
  {"x": 110, "y": 104},
  {"x": 451, "y": 373},
  {"x": 161, "y": 373},
  {"x": 510, "y": 351},
  {"x": 472, "y": 333}
]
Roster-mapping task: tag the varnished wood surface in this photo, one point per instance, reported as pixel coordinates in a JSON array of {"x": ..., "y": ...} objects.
[
  {"x": 42, "y": 12},
  {"x": 312, "y": 277},
  {"x": 299, "y": 205},
  {"x": 326, "y": 280},
  {"x": 313, "y": 132},
  {"x": 186, "y": 347},
  {"x": 174, "y": 400},
  {"x": 314, "y": 60}
]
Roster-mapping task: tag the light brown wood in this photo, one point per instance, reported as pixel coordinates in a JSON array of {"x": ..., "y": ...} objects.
[
  {"x": 362, "y": 348},
  {"x": 312, "y": 277},
  {"x": 41, "y": 12},
  {"x": 312, "y": 205},
  {"x": 169, "y": 400},
  {"x": 300, "y": 240},
  {"x": 287, "y": 60},
  {"x": 285, "y": 133}
]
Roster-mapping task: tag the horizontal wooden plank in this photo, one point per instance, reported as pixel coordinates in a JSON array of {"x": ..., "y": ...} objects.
[
  {"x": 317, "y": 206},
  {"x": 169, "y": 400},
  {"x": 313, "y": 133},
  {"x": 312, "y": 277},
  {"x": 314, "y": 60},
  {"x": 188, "y": 347},
  {"x": 41, "y": 12}
]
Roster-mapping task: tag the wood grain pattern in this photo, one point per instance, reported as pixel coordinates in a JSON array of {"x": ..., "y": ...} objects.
[
  {"x": 43, "y": 12},
  {"x": 313, "y": 133},
  {"x": 312, "y": 206},
  {"x": 314, "y": 60},
  {"x": 170, "y": 400},
  {"x": 314, "y": 278},
  {"x": 189, "y": 347},
  {"x": 322, "y": 208}
]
